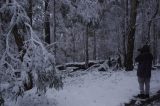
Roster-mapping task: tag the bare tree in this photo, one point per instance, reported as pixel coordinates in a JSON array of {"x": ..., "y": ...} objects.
[
  {"x": 94, "y": 44},
  {"x": 150, "y": 21},
  {"x": 73, "y": 46},
  {"x": 125, "y": 25},
  {"x": 47, "y": 22},
  {"x": 30, "y": 11},
  {"x": 86, "y": 45},
  {"x": 155, "y": 41},
  {"x": 131, "y": 35},
  {"x": 54, "y": 27},
  {"x": 143, "y": 21}
]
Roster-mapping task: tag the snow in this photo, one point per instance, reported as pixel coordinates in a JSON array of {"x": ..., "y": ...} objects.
[
  {"x": 92, "y": 88},
  {"x": 101, "y": 89}
]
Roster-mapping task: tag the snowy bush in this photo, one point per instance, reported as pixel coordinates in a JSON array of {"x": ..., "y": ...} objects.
[{"x": 28, "y": 64}]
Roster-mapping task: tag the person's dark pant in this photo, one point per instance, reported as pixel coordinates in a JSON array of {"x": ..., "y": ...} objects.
[{"x": 144, "y": 85}]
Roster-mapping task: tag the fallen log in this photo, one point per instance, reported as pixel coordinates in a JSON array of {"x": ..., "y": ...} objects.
[{"x": 78, "y": 66}]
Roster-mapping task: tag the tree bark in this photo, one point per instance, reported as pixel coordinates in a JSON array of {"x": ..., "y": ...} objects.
[
  {"x": 154, "y": 44},
  {"x": 125, "y": 25},
  {"x": 86, "y": 46},
  {"x": 95, "y": 45},
  {"x": 131, "y": 35},
  {"x": 54, "y": 28},
  {"x": 47, "y": 22},
  {"x": 124, "y": 47},
  {"x": 150, "y": 22},
  {"x": 19, "y": 39},
  {"x": 29, "y": 12},
  {"x": 143, "y": 33},
  {"x": 74, "y": 46}
]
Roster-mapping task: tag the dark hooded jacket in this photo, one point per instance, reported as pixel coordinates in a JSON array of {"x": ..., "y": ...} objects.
[{"x": 144, "y": 60}]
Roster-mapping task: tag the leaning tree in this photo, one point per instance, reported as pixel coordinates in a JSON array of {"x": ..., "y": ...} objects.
[{"x": 24, "y": 61}]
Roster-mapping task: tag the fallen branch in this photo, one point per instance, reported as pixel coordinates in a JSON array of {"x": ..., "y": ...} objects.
[{"x": 77, "y": 65}]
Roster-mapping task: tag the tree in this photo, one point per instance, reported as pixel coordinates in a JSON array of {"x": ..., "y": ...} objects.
[
  {"x": 30, "y": 11},
  {"x": 86, "y": 45},
  {"x": 150, "y": 21},
  {"x": 143, "y": 21},
  {"x": 47, "y": 22},
  {"x": 94, "y": 44},
  {"x": 125, "y": 32},
  {"x": 54, "y": 27},
  {"x": 24, "y": 55},
  {"x": 131, "y": 35},
  {"x": 155, "y": 40}
]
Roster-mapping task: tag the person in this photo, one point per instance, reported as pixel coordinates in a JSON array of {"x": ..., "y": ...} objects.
[{"x": 144, "y": 60}]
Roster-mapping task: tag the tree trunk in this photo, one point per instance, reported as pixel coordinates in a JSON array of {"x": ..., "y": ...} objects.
[
  {"x": 131, "y": 35},
  {"x": 95, "y": 45},
  {"x": 148, "y": 33},
  {"x": 86, "y": 46},
  {"x": 154, "y": 44},
  {"x": 74, "y": 46},
  {"x": 29, "y": 12},
  {"x": 124, "y": 47},
  {"x": 47, "y": 22},
  {"x": 19, "y": 39},
  {"x": 150, "y": 22},
  {"x": 143, "y": 33},
  {"x": 54, "y": 28},
  {"x": 125, "y": 25},
  {"x": 29, "y": 85}
]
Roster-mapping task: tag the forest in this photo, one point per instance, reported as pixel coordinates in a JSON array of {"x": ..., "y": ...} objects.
[{"x": 76, "y": 52}]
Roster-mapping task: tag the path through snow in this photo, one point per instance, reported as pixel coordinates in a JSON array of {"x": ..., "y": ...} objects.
[{"x": 100, "y": 89}]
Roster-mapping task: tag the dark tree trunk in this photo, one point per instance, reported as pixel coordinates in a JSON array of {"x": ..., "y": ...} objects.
[
  {"x": 54, "y": 28},
  {"x": 154, "y": 44},
  {"x": 95, "y": 45},
  {"x": 143, "y": 33},
  {"x": 125, "y": 25},
  {"x": 47, "y": 22},
  {"x": 29, "y": 85},
  {"x": 19, "y": 39},
  {"x": 131, "y": 35},
  {"x": 29, "y": 12},
  {"x": 1, "y": 31},
  {"x": 86, "y": 46},
  {"x": 124, "y": 48},
  {"x": 74, "y": 46},
  {"x": 148, "y": 34},
  {"x": 150, "y": 22}
]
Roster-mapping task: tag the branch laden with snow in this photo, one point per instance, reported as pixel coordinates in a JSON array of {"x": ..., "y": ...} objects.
[{"x": 36, "y": 67}]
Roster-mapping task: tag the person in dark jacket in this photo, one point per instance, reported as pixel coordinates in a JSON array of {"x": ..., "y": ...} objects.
[{"x": 144, "y": 60}]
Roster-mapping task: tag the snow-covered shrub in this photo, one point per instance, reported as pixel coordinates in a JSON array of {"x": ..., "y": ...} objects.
[{"x": 28, "y": 63}]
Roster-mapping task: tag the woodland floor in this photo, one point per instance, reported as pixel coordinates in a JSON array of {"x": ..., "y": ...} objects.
[{"x": 91, "y": 88}]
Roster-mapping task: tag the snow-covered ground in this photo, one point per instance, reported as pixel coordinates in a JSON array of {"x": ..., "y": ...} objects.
[{"x": 92, "y": 88}]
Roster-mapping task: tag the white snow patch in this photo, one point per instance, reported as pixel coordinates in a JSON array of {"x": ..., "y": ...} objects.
[
  {"x": 91, "y": 88},
  {"x": 97, "y": 89}
]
